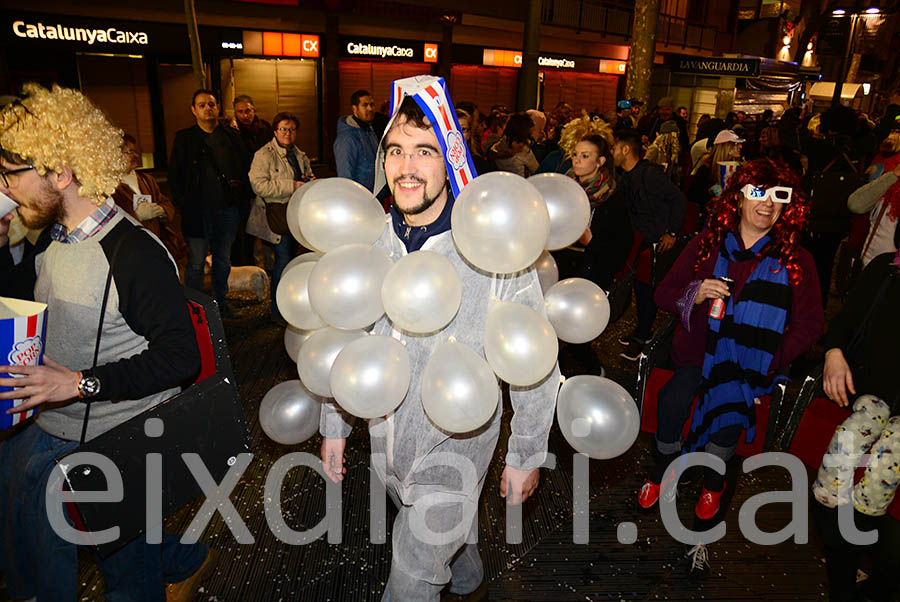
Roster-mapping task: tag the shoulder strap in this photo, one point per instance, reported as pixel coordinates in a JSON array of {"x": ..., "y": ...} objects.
[{"x": 115, "y": 254}]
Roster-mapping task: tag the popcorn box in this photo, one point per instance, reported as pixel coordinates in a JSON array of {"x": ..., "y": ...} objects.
[
  {"x": 726, "y": 168},
  {"x": 22, "y": 326}
]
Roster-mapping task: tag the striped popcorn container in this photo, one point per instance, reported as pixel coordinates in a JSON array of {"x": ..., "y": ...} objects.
[
  {"x": 21, "y": 343},
  {"x": 726, "y": 168}
]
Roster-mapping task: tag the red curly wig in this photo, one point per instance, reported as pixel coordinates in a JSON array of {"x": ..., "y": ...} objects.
[{"x": 725, "y": 214}]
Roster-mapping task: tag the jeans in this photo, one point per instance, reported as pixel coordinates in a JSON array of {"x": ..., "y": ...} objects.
[
  {"x": 284, "y": 252},
  {"x": 38, "y": 562},
  {"x": 220, "y": 228}
]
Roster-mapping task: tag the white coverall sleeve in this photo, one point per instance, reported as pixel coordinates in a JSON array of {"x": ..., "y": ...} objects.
[
  {"x": 534, "y": 406},
  {"x": 334, "y": 423}
]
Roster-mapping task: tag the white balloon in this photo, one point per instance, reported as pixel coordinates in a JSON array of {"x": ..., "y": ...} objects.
[
  {"x": 597, "y": 416},
  {"x": 578, "y": 310},
  {"x": 292, "y": 298},
  {"x": 422, "y": 292},
  {"x": 370, "y": 376},
  {"x": 500, "y": 223},
  {"x": 294, "y": 338},
  {"x": 312, "y": 256},
  {"x": 345, "y": 286},
  {"x": 568, "y": 206},
  {"x": 317, "y": 356},
  {"x": 459, "y": 390},
  {"x": 547, "y": 271},
  {"x": 333, "y": 212},
  {"x": 519, "y": 344},
  {"x": 293, "y": 217},
  {"x": 289, "y": 414}
]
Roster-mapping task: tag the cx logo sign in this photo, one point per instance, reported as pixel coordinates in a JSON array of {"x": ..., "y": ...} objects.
[
  {"x": 431, "y": 53},
  {"x": 309, "y": 46}
]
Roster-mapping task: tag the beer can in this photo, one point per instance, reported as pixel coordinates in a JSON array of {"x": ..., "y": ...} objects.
[{"x": 717, "y": 307}]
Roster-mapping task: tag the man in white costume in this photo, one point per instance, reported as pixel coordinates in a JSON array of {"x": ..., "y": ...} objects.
[{"x": 434, "y": 477}]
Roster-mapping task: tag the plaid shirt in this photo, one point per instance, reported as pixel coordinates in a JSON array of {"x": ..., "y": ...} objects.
[{"x": 90, "y": 226}]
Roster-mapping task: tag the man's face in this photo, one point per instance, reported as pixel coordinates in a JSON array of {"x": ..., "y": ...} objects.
[
  {"x": 414, "y": 167},
  {"x": 365, "y": 110},
  {"x": 683, "y": 113},
  {"x": 618, "y": 152},
  {"x": 40, "y": 201},
  {"x": 245, "y": 112},
  {"x": 205, "y": 108},
  {"x": 665, "y": 113}
]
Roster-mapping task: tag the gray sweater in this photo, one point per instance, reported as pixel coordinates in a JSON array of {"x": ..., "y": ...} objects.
[
  {"x": 147, "y": 347},
  {"x": 868, "y": 199}
]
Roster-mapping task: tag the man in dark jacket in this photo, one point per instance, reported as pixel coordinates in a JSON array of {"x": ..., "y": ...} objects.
[
  {"x": 356, "y": 143},
  {"x": 656, "y": 207},
  {"x": 208, "y": 176},
  {"x": 255, "y": 132}
]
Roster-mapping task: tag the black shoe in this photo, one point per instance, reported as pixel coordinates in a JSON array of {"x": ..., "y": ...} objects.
[
  {"x": 698, "y": 562},
  {"x": 480, "y": 594},
  {"x": 633, "y": 350}
]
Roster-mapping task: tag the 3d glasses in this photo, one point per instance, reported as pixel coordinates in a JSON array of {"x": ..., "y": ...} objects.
[{"x": 776, "y": 194}]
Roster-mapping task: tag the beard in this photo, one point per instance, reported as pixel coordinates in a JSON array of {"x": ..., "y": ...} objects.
[
  {"x": 47, "y": 211},
  {"x": 426, "y": 202}
]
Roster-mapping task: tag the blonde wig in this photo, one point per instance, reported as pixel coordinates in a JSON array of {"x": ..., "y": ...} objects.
[
  {"x": 669, "y": 147},
  {"x": 53, "y": 129},
  {"x": 580, "y": 128},
  {"x": 893, "y": 139}
]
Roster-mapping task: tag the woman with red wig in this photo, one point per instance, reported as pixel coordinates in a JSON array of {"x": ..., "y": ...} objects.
[{"x": 748, "y": 297}]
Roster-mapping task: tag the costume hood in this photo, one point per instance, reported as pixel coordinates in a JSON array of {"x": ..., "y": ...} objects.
[{"x": 430, "y": 93}]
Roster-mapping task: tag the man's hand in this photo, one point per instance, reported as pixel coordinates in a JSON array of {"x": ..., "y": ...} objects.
[
  {"x": 666, "y": 242},
  {"x": 147, "y": 211},
  {"x": 837, "y": 378},
  {"x": 4, "y": 228},
  {"x": 517, "y": 485},
  {"x": 333, "y": 458},
  {"x": 49, "y": 383}
]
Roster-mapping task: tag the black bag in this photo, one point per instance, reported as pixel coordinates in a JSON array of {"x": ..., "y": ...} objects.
[
  {"x": 276, "y": 215},
  {"x": 206, "y": 419},
  {"x": 829, "y": 190},
  {"x": 236, "y": 193}
]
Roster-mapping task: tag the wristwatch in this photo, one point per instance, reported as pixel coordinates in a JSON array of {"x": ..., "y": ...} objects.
[{"x": 88, "y": 385}]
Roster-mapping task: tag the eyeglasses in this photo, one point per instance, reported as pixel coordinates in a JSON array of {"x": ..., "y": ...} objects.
[
  {"x": 287, "y": 130},
  {"x": 9, "y": 172},
  {"x": 777, "y": 194}
]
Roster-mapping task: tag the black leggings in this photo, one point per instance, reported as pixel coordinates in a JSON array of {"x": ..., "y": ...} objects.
[{"x": 842, "y": 558}]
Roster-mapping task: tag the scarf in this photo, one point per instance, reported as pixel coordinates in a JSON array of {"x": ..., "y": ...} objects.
[
  {"x": 883, "y": 164},
  {"x": 740, "y": 346},
  {"x": 598, "y": 189}
]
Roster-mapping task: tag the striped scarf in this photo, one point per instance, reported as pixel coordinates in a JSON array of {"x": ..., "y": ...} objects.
[{"x": 740, "y": 346}]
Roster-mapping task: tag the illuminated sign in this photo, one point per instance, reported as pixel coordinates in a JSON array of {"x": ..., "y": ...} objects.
[
  {"x": 390, "y": 50},
  {"x": 614, "y": 67},
  {"x": 89, "y": 35},
  {"x": 276, "y": 43},
  {"x": 703, "y": 65},
  {"x": 546, "y": 61},
  {"x": 431, "y": 51},
  {"x": 495, "y": 57}
]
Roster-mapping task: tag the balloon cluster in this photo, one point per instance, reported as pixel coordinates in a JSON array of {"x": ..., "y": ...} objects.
[{"x": 501, "y": 223}]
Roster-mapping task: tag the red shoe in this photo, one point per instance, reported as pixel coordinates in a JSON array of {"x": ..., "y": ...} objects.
[
  {"x": 649, "y": 493},
  {"x": 708, "y": 504}
]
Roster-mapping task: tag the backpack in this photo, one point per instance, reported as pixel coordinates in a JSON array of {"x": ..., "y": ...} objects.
[{"x": 829, "y": 190}]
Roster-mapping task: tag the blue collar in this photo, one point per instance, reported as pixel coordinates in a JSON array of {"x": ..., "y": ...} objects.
[{"x": 413, "y": 237}]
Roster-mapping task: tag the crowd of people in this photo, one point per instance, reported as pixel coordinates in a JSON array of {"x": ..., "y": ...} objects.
[{"x": 734, "y": 232}]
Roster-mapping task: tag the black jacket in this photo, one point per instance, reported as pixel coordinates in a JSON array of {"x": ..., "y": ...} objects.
[
  {"x": 186, "y": 167},
  {"x": 656, "y": 206}
]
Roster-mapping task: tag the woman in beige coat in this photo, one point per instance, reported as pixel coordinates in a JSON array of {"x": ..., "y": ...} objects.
[{"x": 278, "y": 169}]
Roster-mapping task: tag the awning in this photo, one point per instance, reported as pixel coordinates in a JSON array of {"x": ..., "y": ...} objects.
[{"x": 826, "y": 90}]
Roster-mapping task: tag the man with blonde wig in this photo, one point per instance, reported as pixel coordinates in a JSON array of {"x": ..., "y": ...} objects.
[{"x": 61, "y": 161}]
